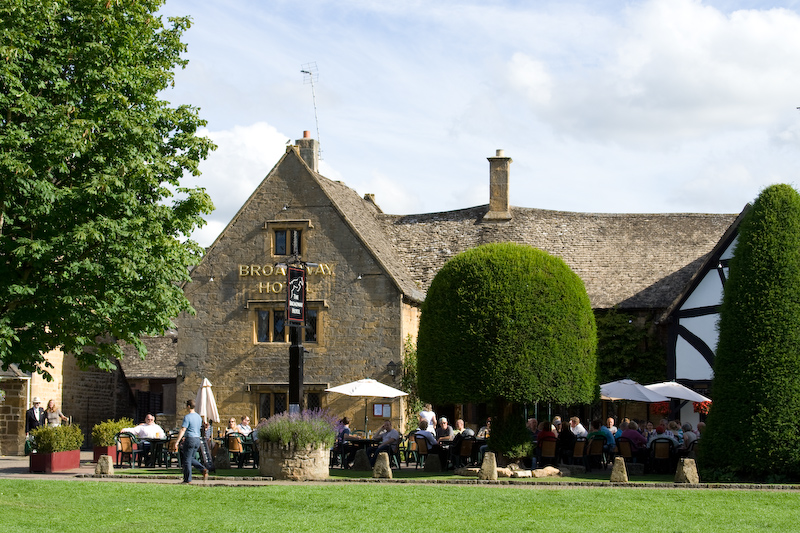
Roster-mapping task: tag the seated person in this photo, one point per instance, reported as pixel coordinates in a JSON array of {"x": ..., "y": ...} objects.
[
  {"x": 232, "y": 427},
  {"x": 430, "y": 440},
  {"x": 638, "y": 442},
  {"x": 566, "y": 442},
  {"x": 533, "y": 428},
  {"x": 545, "y": 433},
  {"x": 390, "y": 440},
  {"x": 676, "y": 431},
  {"x": 484, "y": 432},
  {"x": 444, "y": 432},
  {"x": 689, "y": 436},
  {"x": 147, "y": 429},
  {"x": 601, "y": 431},
  {"x": 459, "y": 427},
  {"x": 577, "y": 428},
  {"x": 341, "y": 448},
  {"x": 661, "y": 433},
  {"x": 244, "y": 428}
]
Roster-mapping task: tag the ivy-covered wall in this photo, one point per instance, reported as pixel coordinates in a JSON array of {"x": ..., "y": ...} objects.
[{"x": 630, "y": 346}]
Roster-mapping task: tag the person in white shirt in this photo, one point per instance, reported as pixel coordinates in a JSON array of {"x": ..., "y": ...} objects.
[
  {"x": 577, "y": 428},
  {"x": 147, "y": 430},
  {"x": 390, "y": 439},
  {"x": 244, "y": 428},
  {"x": 428, "y": 414}
]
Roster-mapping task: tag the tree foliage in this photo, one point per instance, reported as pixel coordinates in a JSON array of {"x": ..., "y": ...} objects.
[
  {"x": 752, "y": 428},
  {"x": 506, "y": 321},
  {"x": 93, "y": 219}
]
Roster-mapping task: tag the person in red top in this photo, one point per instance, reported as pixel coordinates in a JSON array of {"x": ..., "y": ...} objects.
[{"x": 638, "y": 441}]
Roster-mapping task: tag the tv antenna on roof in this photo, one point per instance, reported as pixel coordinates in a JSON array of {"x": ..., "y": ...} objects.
[{"x": 310, "y": 75}]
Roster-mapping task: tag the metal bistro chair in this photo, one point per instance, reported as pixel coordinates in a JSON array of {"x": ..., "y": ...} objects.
[
  {"x": 662, "y": 456},
  {"x": 595, "y": 453},
  {"x": 422, "y": 450},
  {"x": 547, "y": 451},
  {"x": 171, "y": 451},
  {"x": 233, "y": 441},
  {"x": 127, "y": 446}
]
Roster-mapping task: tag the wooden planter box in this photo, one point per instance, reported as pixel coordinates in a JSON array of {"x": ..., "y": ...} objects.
[
  {"x": 48, "y": 463},
  {"x": 105, "y": 450}
]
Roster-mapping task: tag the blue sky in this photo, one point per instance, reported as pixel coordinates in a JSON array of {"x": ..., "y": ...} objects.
[{"x": 641, "y": 106}]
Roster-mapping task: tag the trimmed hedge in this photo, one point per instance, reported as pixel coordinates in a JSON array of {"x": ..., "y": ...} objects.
[
  {"x": 752, "y": 430},
  {"x": 49, "y": 439},
  {"x": 104, "y": 432},
  {"x": 506, "y": 321}
]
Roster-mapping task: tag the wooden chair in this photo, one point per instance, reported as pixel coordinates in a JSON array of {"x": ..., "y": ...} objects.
[
  {"x": 625, "y": 448},
  {"x": 127, "y": 446},
  {"x": 595, "y": 454},
  {"x": 547, "y": 451},
  {"x": 465, "y": 451},
  {"x": 233, "y": 441},
  {"x": 411, "y": 450},
  {"x": 662, "y": 456},
  {"x": 578, "y": 450},
  {"x": 422, "y": 450}
]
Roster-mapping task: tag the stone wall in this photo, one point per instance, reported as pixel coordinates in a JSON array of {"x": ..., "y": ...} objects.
[
  {"x": 93, "y": 396},
  {"x": 12, "y": 416},
  {"x": 361, "y": 322}
]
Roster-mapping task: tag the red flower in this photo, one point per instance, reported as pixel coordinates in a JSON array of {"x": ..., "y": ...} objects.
[
  {"x": 661, "y": 408},
  {"x": 702, "y": 407}
]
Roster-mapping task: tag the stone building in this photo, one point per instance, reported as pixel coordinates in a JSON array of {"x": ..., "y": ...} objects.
[{"x": 367, "y": 276}]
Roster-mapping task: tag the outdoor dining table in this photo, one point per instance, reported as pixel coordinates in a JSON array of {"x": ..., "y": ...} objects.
[
  {"x": 363, "y": 443},
  {"x": 154, "y": 451}
]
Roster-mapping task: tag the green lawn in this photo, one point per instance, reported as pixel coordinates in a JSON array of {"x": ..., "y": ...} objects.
[{"x": 99, "y": 506}]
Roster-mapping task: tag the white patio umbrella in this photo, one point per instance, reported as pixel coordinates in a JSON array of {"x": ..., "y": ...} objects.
[
  {"x": 627, "y": 389},
  {"x": 205, "y": 404},
  {"x": 367, "y": 388},
  {"x": 672, "y": 389}
]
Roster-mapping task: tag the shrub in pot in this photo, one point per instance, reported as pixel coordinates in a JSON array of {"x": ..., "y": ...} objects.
[
  {"x": 296, "y": 446},
  {"x": 103, "y": 436},
  {"x": 57, "y": 448}
]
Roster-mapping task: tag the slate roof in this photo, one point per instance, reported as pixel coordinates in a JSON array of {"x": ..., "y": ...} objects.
[
  {"x": 630, "y": 260},
  {"x": 162, "y": 356}
]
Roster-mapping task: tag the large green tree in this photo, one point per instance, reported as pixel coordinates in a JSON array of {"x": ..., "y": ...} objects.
[
  {"x": 93, "y": 219},
  {"x": 506, "y": 324},
  {"x": 752, "y": 429}
]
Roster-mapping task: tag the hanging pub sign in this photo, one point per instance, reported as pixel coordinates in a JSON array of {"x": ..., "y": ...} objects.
[{"x": 296, "y": 295}]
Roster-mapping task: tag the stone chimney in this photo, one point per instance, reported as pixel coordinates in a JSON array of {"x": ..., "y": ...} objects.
[
  {"x": 498, "y": 188},
  {"x": 309, "y": 150}
]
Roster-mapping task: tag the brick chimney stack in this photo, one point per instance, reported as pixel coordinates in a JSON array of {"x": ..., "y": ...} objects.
[
  {"x": 309, "y": 150},
  {"x": 498, "y": 188}
]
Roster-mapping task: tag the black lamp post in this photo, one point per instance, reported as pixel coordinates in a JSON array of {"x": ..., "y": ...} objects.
[
  {"x": 392, "y": 368},
  {"x": 180, "y": 371}
]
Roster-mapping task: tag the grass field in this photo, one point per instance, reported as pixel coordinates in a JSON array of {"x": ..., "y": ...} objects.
[{"x": 100, "y": 506}]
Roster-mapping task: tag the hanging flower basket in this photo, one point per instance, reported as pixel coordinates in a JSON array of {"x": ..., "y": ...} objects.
[
  {"x": 2, "y": 395},
  {"x": 702, "y": 407},
  {"x": 661, "y": 408}
]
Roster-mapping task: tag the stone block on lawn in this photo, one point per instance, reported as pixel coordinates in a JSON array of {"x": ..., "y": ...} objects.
[
  {"x": 361, "y": 461},
  {"x": 382, "y": 468},
  {"x": 687, "y": 472},
  {"x": 488, "y": 469},
  {"x": 432, "y": 463},
  {"x": 105, "y": 466},
  {"x": 619, "y": 474}
]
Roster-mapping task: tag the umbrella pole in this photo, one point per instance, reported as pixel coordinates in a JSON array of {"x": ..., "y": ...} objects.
[{"x": 365, "y": 417}]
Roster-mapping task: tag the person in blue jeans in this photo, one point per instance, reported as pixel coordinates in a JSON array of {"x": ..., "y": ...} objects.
[{"x": 191, "y": 429}]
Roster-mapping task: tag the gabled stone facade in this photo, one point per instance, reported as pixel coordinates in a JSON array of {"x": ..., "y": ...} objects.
[{"x": 369, "y": 274}]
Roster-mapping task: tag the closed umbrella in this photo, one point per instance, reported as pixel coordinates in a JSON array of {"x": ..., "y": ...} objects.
[
  {"x": 675, "y": 390},
  {"x": 367, "y": 388},
  {"x": 627, "y": 389},
  {"x": 205, "y": 404}
]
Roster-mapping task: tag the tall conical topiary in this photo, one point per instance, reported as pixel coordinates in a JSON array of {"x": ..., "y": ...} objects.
[
  {"x": 752, "y": 429},
  {"x": 506, "y": 323}
]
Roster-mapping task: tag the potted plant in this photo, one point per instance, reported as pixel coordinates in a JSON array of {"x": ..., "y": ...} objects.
[
  {"x": 103, "y": 436},
  {"x": 296, "y": 446},
  {"x": 57, "y": 448}
]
